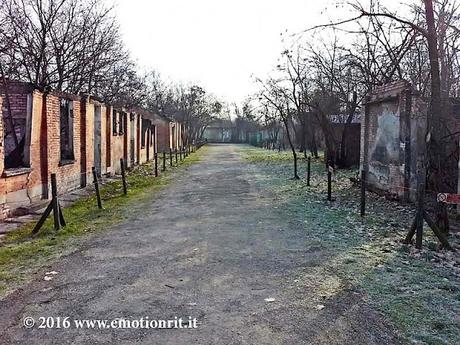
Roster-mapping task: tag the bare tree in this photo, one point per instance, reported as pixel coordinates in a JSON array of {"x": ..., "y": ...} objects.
[
  {"x": 424, "y": 39},
  {"x": 68, "y": 45},
  {"x": 276, "y": 97}
]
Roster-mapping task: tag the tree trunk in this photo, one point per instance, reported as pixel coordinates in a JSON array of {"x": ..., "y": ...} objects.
[
  {"x": 331, "y": 145},
  {"x": 342, "y": 161},
  {"x": 294, "y": 154},
  {"x": 435, "y": 151}
]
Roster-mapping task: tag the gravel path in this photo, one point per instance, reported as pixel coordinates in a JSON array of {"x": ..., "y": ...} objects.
[{"x": 210, "y": 247}]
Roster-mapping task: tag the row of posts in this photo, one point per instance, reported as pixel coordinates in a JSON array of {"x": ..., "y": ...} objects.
[
  {"x": 330, "y": 171},
  {"x": 183, "y": 153},
  {"x": 55, "y": 207}
]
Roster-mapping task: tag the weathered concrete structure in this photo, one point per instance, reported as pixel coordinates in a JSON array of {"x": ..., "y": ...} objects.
[
  {"x": 66, "y": 135},
  {"x": 392, "y": 134},
  {"x": 393, "y": 125}
]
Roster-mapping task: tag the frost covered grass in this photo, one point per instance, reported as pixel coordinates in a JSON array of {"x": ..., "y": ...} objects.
[{"x": 418, "y": 291}]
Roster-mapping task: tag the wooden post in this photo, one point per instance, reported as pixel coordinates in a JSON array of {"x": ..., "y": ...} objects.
[
  {"x": 308, "y": 170},
  {"x": 164, "y": 161},
  {"x": 329, "y": 184},
  {"x": 420, "y": 211},
  {"x": 180, "y": 153},
  {"x": 326, "y": 160},
  {"x": 52, "y": 206},
  {"x": 57, "y": 222},
  {"x": 176, "y": 155},
  {"x": 123, "y": 176},
  {"x": 96, "y": 187},
  {"x": 442, "y": 238},
  {"x": 170, "y": 157},
  {"x": 156, "y": 164},
  {"x": 363, "y": 193}
]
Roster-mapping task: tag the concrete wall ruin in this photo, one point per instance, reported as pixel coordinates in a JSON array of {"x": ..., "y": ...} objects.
[
  {"x": 391, "y": 132},
  {"x": 393, "y": 136}
]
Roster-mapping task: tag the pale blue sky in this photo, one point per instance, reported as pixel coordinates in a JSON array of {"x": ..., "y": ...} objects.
[{"x": 218, "y": 44}]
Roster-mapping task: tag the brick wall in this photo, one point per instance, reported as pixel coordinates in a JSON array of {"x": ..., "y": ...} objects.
[
  {"x": 70, "y": 174},
  {"x": 163, "y": 137},
  {"x": 104, "y": 147},
  {"x": 2, "y": 184},
  {"x": 176, "y": 132},
  {"x": 117, "y": 144},
  {"x": 19, "y": 101},
  {"x": 146, "y": 145},
  {"x": 22, "y": 185},
  {"x": 1, "y": 143},
  {"x": 42, "y": 128},
  {"x": 107, "y": 115}
]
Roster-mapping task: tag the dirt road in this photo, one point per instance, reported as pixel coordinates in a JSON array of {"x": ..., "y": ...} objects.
[{"x": 209, "y": 246}]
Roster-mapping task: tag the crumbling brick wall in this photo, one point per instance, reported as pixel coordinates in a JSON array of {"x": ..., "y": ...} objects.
[
  {"x": 117, "y": 140},
  {"x": 68, "y": 172},
  {"x": 2, "y": 184},
  {"x": 66, "y": 145},
  {"x": 24, "y": 184},
  {"x": 163, "y": 135},
  {"x": 391, "y": 132},
  {"x": 19, "y": 97},
  {"x": 393, "y": 135}
]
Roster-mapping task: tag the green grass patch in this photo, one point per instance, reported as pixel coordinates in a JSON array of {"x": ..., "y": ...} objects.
[{"x": 21, "y": 254}]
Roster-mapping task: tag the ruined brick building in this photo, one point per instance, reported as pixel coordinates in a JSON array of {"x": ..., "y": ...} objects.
[
  {"x": 392, "y": 133},
  {"x": 68, "y": 135}
]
